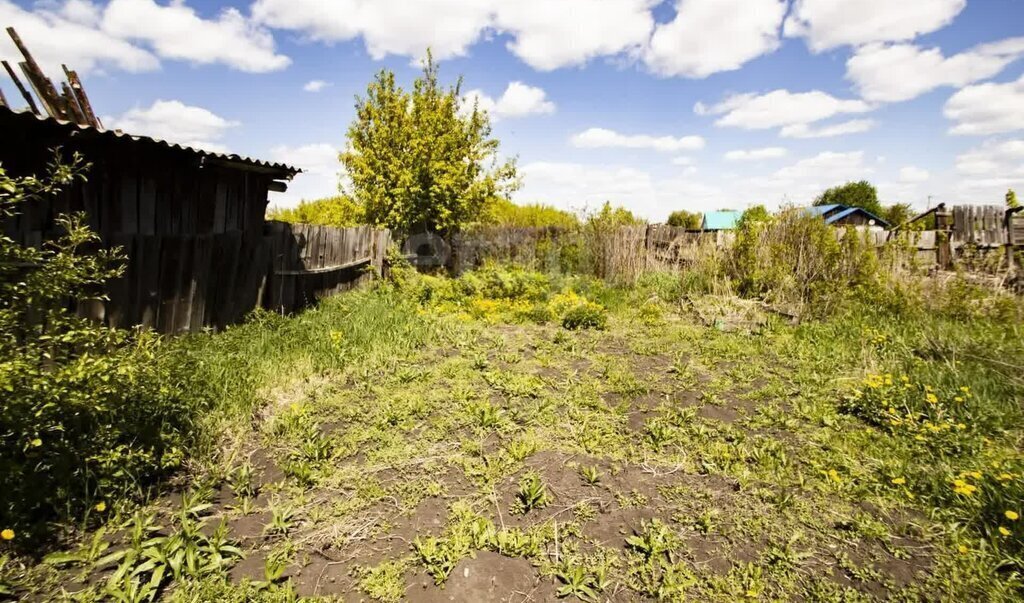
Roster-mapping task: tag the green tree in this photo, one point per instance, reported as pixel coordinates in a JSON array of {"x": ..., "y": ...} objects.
[
  {"x": 419, "y": 160},
  {"x": 506, "y": 213},
  {"x": 853, "y": 194},
  {"x": 689, "y": 220},
  {"x": 754, "y": 213},
  {"x": 1011, "y": 199},
  {"x": 340, "y": 211},
  {"x": 897, "y": 213}
]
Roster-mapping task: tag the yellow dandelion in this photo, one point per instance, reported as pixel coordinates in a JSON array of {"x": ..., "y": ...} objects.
[
  {"x": 962, "y": 548},
  {"x": 899, "y": 481},
  {"x": 1005, "y": 477},
  {"x": 958, "y": 398},
  {"x": 931, "y": 398},
  {"x": 36, "y": 443},
  {"x": 100, "y": 506},
  {"x": 7, "y": 534},
  {"x": 1012, "y": 515},
  {"x": 965, "y": 389},
  {"x": 974, "y": 474},
  {"x": 1004, "y": 531}
]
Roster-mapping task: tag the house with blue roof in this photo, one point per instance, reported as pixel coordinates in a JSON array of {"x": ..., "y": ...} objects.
[
  {"x": 720, "y": 220},
  {"x": 844, "y": 215}
]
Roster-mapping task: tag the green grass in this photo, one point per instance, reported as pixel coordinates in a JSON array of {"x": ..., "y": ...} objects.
[{"x": 707, "y": 450}]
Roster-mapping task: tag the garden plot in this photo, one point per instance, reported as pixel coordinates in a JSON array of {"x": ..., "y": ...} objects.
[{"x": 508, "y": 437}]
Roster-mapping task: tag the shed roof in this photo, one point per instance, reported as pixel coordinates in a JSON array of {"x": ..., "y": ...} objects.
[
  {"x": 820, "y": 210},
  {"x": 277, "y": 170},
  {"x": 852, "y": 210},
  {"x": 720, "y": 220}
]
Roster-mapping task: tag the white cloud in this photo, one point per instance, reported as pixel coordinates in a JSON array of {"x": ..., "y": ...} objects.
[
  {"x": 175, "y": 31},
  {"x": 993, "y": 158},
  {"x": 682, "y": 160},
  {"x": 315, "y": 85},
  {"x": 903, "y": 71},
  {"x": 800, "y": 182},
  {"x": 603, "y": 138},
  {"x": 756, "y": 154},
  {"x": 708, "y": 36},
  {"x": 322, "y": 172},
  {"x": 575, "y": 186},
  {"x": 830, "y": 23},
  {"x": 176, "y": 122},
  {"x": 988, "y": 170},
  {"x": 546, "y": 35},
  {"x": 987, "y": 108},
  {"x": 70, "y": 34},
  {"x": 133, "y": 35},
  {"x": 911, "y": 174},
  {"x": 779, "y": 108},
  {"x": 518, "y": 100},
  {"x": 853, "y": 126}
]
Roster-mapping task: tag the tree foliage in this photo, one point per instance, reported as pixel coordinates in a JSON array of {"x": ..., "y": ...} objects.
[
  {"x": 506, "y": 213},
  {"x": 853, "y": 194},
  {"x": 897, "y": 213},
  {"x": 1011, "y": 199},
  {"x": 690, "y": 220},
  {"x": 340, "y": 211},
  {"x": 419, "y": 160},
  {"x": 754, "y": 213}
]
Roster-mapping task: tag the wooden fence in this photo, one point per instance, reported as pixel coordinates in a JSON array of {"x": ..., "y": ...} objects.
[
  {"x": 178, "y": 284},
  {"x": 986, "y": 228}
]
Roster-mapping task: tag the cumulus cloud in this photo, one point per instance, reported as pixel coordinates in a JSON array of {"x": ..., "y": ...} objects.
[
  {"x": 518, "y": 100},
  {"x": 134, "y": 35},
  {"x": 779, "y": 108},
  {"x": 593, "y": 138},
  {"x": 575, "y": 186},
  {"x": 175, "y": 122},
  {"x": 70, "y": 33},
  {"x": 911, "y": 174},
  {"x": 987, "y": 108},
  {"x": 891, "y": 73},
  {"x": 828, "y": 24},
  {"x": 708, "y": 36},
  {"x": 546, "y": 35},
  {"x": 315, "y": 85},
  {"x": 988, "y": 170},
  {"x": 321, "y": 172},
  {"x": 756, "y": 154},
  {"x": 853, "y": 126}
]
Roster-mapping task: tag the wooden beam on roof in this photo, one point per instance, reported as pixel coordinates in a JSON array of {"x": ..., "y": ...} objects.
[
  {"x": 50, "y": 103},
  {"x": 82, "y": 97},
  {"x": 21, "y": 87},
  {"x": 71, "y": 105},
  {"x": 42, "y": 85}
]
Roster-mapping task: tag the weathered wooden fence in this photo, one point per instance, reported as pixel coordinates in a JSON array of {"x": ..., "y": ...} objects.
[
  {"x": 969, "y": 227},
  {"x": 177, "y": 284}
]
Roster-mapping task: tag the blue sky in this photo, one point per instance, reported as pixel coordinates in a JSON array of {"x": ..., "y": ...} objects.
[{"x": 657, "y": 106}]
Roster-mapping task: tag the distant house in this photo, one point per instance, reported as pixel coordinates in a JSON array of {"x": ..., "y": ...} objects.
[
  {"x": 844, "y": 215},
  {"x": 720, "y": 220}
]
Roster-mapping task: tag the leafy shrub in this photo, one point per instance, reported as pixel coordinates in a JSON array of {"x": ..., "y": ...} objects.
[
  {"x": 340, "y": 211},
  {"x": 88, "y": 414},
  {"x": 586, "y": 315}
]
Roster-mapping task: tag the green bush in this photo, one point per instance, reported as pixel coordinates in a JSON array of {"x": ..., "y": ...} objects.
[
  {"x": 585, "y": 315},
  {"x": 89, "y": 415}
]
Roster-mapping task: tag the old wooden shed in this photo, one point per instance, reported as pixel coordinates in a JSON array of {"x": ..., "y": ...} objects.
[{"x": 191, "y": 221}]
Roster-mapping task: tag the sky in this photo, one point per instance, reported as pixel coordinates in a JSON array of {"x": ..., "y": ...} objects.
[{"x": 655, "y": 106}]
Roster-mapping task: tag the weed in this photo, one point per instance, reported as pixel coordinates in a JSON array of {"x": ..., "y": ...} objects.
[
  {"x": 590, "y": 475},
  {"x": 532, "y": 494}
]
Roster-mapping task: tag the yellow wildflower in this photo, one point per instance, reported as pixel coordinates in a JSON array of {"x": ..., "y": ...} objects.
[
  {"x": 962, "y": 548},
  {"x": 931, "y": 398},
  {"x": 1012, "y": 515},
  {"x": 1005, "y": 477},
  {"x": 962, "y": 487},
  {"x": 974, "y": 474},
  {"x": 7, "y": 534},
  {"x": 36, "y": 443},
  {"x": 899, "y": 481},
  {"x": 965, "y": 389},
  {"x": 958, "y": 398},
  {"x": 1004, "y": 531},
  {"x": 834, "y": 476},
  {"x": 100, "y": 506}
]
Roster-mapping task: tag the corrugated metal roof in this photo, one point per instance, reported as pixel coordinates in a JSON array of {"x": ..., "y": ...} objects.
[
  {"x": 852, "y": 210},
  {"x": 820, "y": 210},
  {"x": 286, "y": 171},
  {"x": 720, "y": 220}
]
